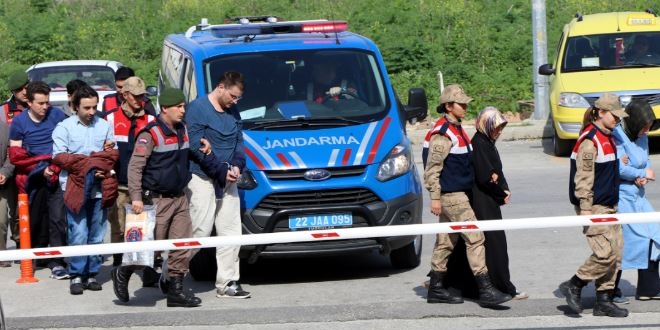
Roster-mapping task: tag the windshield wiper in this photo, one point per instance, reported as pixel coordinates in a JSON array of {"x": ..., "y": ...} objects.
[{"x": 303, "y": 122}]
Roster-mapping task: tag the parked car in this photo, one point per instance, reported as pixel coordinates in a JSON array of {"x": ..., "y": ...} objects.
[
  {"x": 99, "y": 74},
  {"x": 597, "y": 54}
]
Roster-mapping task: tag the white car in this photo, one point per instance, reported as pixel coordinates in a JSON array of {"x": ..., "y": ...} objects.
[{"x": 99, "y": 74}]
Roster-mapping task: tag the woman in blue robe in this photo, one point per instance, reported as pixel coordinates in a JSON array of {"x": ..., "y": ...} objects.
[{"x": 641, "y": 247}]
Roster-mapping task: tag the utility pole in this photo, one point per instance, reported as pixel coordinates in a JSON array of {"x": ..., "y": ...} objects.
[{"x": 540, "y": 54}]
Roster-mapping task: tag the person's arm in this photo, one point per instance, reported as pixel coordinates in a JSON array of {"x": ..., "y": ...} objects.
[
  {"x": 487, "y": 175},
  {"x": 585, "y": 175},
  {"x": 16, "y": 134},
  {"x": 438, "y": 152},
  {"x": 141, "y": 153},
  {"x": 196, "y": 125},
  {"x": 60, "y": 140}
]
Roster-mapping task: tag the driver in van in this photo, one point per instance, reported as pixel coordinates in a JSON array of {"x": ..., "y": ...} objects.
[{"x": 326, "y": 85}]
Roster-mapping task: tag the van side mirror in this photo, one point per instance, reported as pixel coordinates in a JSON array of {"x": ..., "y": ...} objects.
[
  {"x": 417, "y": 108},
  {"x": 546, "y": 70}
]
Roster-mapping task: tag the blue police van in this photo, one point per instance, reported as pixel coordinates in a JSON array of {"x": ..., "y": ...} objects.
[{"x": 324, "y": 131}]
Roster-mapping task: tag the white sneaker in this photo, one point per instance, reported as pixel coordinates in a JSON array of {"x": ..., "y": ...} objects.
[{"x": 232, "y": 290}]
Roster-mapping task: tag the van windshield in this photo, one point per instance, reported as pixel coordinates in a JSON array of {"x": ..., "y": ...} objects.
[
  {"x": 611, "y": 51},
  {"x": 305, "y": 85}
]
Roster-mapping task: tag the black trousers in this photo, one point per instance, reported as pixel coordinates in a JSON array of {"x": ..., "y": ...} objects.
[
  {"x": 648, "y": 280},
  {"x": 48, "y": 222}
]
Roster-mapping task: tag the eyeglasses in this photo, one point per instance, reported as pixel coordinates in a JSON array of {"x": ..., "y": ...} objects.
[{"x": 236, "y": 98}]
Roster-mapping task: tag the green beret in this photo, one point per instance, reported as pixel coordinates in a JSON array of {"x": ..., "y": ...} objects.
[
  {"x": 17, "y": 80},
  {"x": 171, "y": 96}
]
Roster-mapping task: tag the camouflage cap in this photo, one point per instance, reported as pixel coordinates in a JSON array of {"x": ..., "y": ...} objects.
[
  {"x": 610, "y": 102},
  {"x": 452, "y": 93},
  {"x": 134, "y": 85}
]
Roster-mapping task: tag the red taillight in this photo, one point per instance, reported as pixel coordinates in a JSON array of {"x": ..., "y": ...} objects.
[{"x": 331, "y": 26}]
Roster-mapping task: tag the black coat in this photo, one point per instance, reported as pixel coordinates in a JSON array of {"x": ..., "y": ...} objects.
[
  {"x": 486, "y": 199},
  {"x": 487, "y": 196}
]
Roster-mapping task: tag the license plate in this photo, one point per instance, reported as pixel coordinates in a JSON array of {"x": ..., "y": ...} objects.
[{"x": 320, "y": 221}]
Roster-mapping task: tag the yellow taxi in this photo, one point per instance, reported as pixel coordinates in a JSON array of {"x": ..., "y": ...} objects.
[{"x": 608, "y": 52}]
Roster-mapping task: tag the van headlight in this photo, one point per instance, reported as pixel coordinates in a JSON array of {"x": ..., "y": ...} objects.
[
  {"x": 573, "y": 100},
  {"x": 397, "y": 163}
]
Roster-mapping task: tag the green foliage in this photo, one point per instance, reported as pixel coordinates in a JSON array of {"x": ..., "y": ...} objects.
[{"x": 485, "y": 45}]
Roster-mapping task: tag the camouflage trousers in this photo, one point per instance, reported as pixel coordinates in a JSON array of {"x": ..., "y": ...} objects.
[
  {"x": 456, "y": 208},
  {"x": 606, "y": 243}
]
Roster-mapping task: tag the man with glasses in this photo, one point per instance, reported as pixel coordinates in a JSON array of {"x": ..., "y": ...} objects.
[{"x": 213, "y": 193}]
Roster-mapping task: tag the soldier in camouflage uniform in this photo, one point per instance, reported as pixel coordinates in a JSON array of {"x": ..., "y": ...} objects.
[
  {"x": 449, "y": 176},
  {"x": 594, "y": 189}
]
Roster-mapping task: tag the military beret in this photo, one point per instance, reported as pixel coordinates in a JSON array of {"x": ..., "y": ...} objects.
[
  {"x": 171, "y": 96},
  {"x": 17, "y": 80}
]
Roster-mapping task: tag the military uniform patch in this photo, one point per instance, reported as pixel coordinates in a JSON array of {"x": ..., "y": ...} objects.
[{"x": 588, "y": 162}]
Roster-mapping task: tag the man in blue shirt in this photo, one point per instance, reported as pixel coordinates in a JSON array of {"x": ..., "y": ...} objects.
[
  {"x": 30, "y": 148},
  {"x": 215, "y": 118},
  {"x": 84, "y": 147}
]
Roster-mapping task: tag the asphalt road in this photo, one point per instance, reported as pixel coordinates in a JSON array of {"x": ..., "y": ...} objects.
[{"x": 360, "y": 292}]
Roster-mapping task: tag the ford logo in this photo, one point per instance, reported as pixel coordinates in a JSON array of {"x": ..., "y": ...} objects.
[{"x": 317, "y": 174}]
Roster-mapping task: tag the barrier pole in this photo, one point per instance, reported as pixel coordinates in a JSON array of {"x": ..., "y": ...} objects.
[{"x": 27, "y": 271}]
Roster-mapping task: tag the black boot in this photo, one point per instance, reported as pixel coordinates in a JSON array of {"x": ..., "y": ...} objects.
[
  {"x": 120, "y": 276},
  {"x": 605, "y": 307},
  {"x": 117, "y": 259},
  {"x": 176, "y": 297},
  {"x": 149, "y": 277},
  {"x": 437, "y": 293},
  {"x": 572, "y": 290},
  {"x": 163, "y": 283},
  {"x": 489, "y": 295}
]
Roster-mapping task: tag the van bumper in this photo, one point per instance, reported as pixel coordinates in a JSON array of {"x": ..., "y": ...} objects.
[{"x": 399, "y": 211}]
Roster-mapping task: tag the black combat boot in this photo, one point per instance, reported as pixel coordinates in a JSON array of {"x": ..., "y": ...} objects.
[
  {"x": 489, "y": 295},
  {"x": 605, "y": 307},
  {"x": 120, "y": 276},
  {"x": 572, "y": 290},
  {"x": 149, "y": 277},
  {"x": 437, "y": 293},
  {"x": 163, "y": 283},
  {"x": 176, "y": 297},
  {"x": 117, "y": 259}
]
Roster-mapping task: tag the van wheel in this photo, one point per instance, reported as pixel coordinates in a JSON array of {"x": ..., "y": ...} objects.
[
  {"x": 408, "y": 256},
  {"x": 561, "y": 147}
]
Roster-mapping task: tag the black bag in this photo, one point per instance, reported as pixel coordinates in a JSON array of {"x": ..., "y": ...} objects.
[{"x": 203, "y": 266}]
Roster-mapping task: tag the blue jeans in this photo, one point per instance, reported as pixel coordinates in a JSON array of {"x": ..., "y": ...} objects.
[{"x": 86, "y": 227}]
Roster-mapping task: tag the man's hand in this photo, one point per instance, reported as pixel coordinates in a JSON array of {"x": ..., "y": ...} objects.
[
  {"x": 436, "y": 207},
  {"x": 99, "y": 174},
  {"x": 232, "y": 173},
  {"x": 334, "y": 91},
  {"x": 206, "y": 146},
  {"x": 137, "y": 207},
  {"x": 3, "y": 179},
  {"x": 108, "y": 145},
  {"x": 48, "y": 173}
]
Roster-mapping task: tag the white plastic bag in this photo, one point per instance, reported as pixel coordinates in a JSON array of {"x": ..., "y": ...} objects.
[{"x": 139, "y": 227}]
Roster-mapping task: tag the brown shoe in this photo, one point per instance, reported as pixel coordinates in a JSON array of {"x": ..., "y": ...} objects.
[{"x": 5, "y": 264}]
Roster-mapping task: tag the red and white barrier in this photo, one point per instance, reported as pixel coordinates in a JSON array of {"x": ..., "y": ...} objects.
[{"x": 332, "y": 234}]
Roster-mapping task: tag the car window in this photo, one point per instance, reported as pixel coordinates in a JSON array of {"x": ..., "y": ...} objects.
[
  {"x": 611, "y": 51},
  {"x": 101, "y": 78},
  {"x": 288, "y": 84}
]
